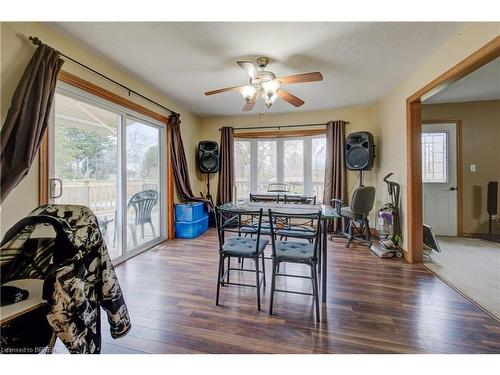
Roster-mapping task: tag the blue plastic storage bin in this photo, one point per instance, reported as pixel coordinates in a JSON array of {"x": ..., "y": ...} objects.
[
  {"x": 187, "y": 212},
  {"x": 191, "y": 229}
]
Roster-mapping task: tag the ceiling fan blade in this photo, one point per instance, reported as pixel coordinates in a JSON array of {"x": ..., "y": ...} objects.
[
  {"x": 301, "y": 78},
  {"x": 249, "y": 106},
  {"x": 213, "y": 92},
  {"x": 248, "y": 67},
  {"x": 290, "y": 98}
]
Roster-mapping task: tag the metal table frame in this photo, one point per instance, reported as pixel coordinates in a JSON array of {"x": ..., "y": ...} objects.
[{"x": 327, "y": 213}]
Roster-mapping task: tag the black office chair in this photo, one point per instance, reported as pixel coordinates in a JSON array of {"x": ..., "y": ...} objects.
[
  {"x": 297, "y": 251},
  {"x": 239, "y": 247},
  {"x": 356, "y": 214}
]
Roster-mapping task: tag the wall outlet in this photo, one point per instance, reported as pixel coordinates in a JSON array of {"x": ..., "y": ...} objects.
[{"x": 473, "y": 167}]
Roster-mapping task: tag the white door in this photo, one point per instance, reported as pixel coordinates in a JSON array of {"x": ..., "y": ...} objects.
[{"x": 439, "y": 176}]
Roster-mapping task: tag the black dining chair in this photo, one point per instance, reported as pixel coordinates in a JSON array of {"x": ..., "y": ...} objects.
[
  {"x": 300, "y": 199},
  {"x": 237, "y": 246},
  {"x": 297, "y": 251},
  {"x": 301, "y": 229}
]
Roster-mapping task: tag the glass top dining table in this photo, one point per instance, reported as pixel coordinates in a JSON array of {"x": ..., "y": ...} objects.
[{"x": 327, "y": 213}]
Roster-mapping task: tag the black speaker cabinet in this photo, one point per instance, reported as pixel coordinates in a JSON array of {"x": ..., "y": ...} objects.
[
  {"x": 492, "y": 197},
  {"x": 208, "y": 156},
  {"x": 359, "y": 151}
]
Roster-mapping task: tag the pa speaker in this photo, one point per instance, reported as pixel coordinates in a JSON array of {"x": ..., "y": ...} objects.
[
  {"x": 492, "y": 197},
  {"x": 208, "y": 156},
  {"x": 359, "y": 151}
]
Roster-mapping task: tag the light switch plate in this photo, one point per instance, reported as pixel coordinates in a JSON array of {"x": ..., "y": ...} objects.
[{"x": 473, "y": 167}]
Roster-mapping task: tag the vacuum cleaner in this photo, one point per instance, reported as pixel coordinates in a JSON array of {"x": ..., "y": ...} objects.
[{"x": 388, "y": 224}]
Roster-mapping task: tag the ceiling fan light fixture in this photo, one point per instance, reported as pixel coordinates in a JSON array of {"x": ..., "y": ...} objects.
[
  {"x": 270, "y": 88},
  {"x": 269, "y": 100},
  {"x": 248, "y": 92}
]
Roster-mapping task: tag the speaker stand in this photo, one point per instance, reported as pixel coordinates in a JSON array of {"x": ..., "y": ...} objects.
[
  {"x": 361, "y": 178},
  {"x": 209, "y": 196}
]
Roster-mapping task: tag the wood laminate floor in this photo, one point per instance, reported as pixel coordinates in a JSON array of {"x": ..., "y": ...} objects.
[{"x": 374, "y": 306}]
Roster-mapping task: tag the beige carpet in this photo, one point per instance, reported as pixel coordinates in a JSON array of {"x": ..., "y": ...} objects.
[{"x": 472, "y": 266}]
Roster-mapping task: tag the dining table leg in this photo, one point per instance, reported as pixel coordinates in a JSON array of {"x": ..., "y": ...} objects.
[{"x": 324, "y": 259}]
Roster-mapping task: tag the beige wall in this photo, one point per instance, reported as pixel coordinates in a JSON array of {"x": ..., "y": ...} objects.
[
  {"x": 15, "y": 54},
  {"x": 390, "y": 111},
  {"x": 480, "y": 141},
  {"x": 360, "y": 118}
]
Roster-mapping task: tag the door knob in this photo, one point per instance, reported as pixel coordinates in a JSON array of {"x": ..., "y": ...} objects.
[{"x": 453, "y": 188}]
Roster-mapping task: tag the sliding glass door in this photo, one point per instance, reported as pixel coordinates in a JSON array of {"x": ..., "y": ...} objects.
[
  {"x": 110, "y": 160},
  {"x": 143, "y": 183}
]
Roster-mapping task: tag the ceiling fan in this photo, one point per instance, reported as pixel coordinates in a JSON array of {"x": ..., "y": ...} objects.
[{"x": 263, "y": 83}]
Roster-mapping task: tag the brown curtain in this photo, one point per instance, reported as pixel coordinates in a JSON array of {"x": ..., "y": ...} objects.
[
  {"x": 335, "y": 168},
  {"x": 181, "y": 172},
  {"x": 27, "y": 118},
  {"x": 226, "y": 169}
]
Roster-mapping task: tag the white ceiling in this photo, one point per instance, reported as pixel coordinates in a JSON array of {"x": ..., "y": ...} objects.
[
  {"x": 481, "y": 84},
  {"x": 360, "y": 62}
]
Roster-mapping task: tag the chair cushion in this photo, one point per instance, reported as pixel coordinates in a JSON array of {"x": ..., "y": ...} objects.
[
  {"x": 347, "y": 212},
  {"x": 243, "y": 246},
  {"x": 294, "y": 231},
  {"x": 265, "y": 229},
  {"x": 294, "y": 250}
]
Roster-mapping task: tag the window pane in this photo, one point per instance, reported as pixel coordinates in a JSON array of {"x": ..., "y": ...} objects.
[
  {"x": 266, "y": 164},
  {"x": 242, "y": 157},
  {"x": 318, "y": 167},
  {"x": 294, "y": 165},
  {"x": 143, "y": 183},
  {"x": 434, "y": 157},
  {"x": 86, "y": 161}
]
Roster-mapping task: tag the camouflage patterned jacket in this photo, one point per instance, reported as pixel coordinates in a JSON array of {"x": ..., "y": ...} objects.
[{"x": 77, "y": 287}]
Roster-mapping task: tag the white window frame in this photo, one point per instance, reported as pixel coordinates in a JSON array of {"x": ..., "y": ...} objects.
[
  {"x": 446, "y": 171},
  {"x": 124, "y": 113},
  {"x": 280, "y": 155}
]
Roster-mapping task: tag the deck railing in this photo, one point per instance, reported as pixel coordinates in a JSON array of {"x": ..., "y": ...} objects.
[{"x": 101, "y": 196}]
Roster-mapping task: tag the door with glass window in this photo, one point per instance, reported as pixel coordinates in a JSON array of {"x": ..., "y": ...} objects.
[
  {"x": 439, "y": 177},
  {"x": 109, "y": 161}
]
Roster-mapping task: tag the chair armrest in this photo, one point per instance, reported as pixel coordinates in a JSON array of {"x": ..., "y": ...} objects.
[{"x": 337, "y": 204}]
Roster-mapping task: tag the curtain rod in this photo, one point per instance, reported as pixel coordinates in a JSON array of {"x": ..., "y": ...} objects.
[
  {"x": 282, "y": 126},
  {"x": 37, "y": 42}
]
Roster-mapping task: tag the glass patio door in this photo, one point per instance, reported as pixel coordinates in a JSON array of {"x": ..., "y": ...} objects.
[
  {"x": 142, "y": 183},
  {"x": 111, "y": 162}
]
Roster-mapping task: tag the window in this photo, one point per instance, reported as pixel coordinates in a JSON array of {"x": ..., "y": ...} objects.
[
  {"x": 110, "y": 159},
  {"x": 294, "y": 165},
  {"x": 242, "y": 167},
  {"x": 298, "y": 161},
  {"x": 434, "y": 157},
  {"x": 266, "y": 164}
]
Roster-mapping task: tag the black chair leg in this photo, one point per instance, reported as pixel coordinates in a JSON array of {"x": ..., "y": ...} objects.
[
  {"x": 314, "y": 276},
  {"x": 273, "y": 285},
  {"x": 228, "y": 267},
  {"x": 219, "y": 276},
  {"x": 367, "y": 227},
  {"x": 263, "y": 270},
  {"x": 257, "y": 279},
  {"x": 349, "y": 233}
]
